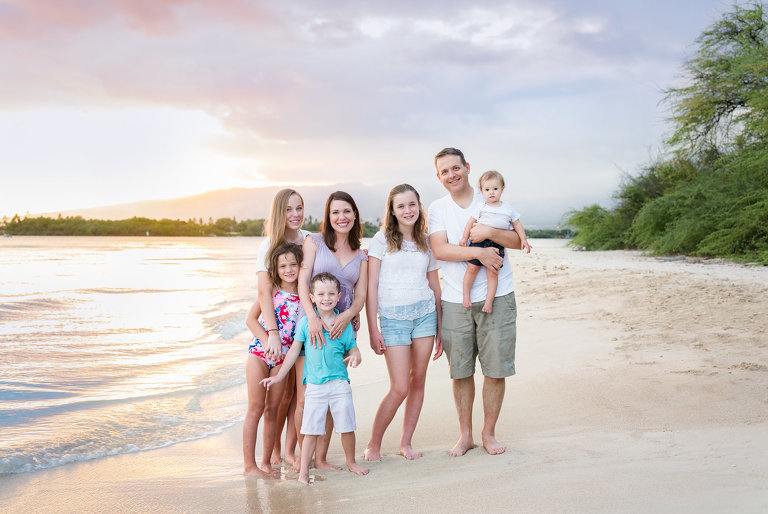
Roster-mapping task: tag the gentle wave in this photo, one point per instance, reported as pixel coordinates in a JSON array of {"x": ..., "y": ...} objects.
[{"x": 114, "y": 345}]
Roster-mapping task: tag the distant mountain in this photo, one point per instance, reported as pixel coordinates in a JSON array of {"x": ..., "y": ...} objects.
[
  {"x": 240, "y": 203},
  {"x": 253, "y": 203}
]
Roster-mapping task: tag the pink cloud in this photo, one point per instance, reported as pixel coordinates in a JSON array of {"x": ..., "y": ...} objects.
[{"x": 35, "y": 19}]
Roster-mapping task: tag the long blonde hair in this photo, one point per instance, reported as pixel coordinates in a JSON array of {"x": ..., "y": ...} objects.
[
  {"x": 274, "y": 226},
  {"x": 391, "y": 230}
]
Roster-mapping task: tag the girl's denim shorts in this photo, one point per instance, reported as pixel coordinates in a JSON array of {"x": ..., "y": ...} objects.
[{"x": 400, "y": 332}]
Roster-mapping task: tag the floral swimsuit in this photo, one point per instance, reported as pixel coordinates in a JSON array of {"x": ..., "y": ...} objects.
[{"x": 288, "y": 312}]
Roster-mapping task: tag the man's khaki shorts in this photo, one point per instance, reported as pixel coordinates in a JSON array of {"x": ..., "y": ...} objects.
[{"x": 468, "y": 334}]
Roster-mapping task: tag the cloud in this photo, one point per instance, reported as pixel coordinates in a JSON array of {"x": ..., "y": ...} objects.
[{"x": 308, "y": 89}]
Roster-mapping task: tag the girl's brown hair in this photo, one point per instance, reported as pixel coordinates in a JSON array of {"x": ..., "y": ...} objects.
[
  {"x": 274, "y": 226},
  {"x": 275, "y": 254},
  {"x": 329, "y": 235},
  {"x": 391, "y": 231}
]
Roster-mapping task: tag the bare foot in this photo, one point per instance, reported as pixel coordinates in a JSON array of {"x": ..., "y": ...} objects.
[
  {"x": 492, "y": 446},
  {"x": 409, "y": 453},
  {"x": 461, "y": 447},
  {"x": 291, "y": 460},
  {"x": 254, "y": 471},
  {"x": 357, "y": 469},
  {"x": 304, "y": 479},
  {"x": 327, "y": 465},
  {"x": 276, "y": 460},
  {"x": 296, "y": 468},
  {"x": 465, "y": 302},
  {"x": 488, "y": 307},
  {"x": 370, "y": 454},
  {"x": 267, "y": 468}
]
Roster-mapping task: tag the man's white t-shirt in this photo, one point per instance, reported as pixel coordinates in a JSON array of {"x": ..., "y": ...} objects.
[
  {"x": 446, "y": 216},
  {"x": 261, "y": 256}
]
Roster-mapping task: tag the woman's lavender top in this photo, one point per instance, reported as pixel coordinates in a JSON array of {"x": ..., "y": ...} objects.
[{"x": 325, "y": 261}]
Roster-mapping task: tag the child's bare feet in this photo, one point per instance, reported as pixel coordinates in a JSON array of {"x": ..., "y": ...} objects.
[
  {"x": 409, "y": 453},
  {"x": 327, "y": 465},
  {"x": 466, "y": 302},
  {"x": 267, "y": 468},
  {"x": 354, "y": 467},
  {"x": 254, "y": 471},
  {"x": 488, "y": 306},
  {"x": 304, "y": 479},
  {"x": 371, "y": 454}
]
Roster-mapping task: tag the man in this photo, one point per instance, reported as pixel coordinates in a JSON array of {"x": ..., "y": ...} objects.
[{"x": 468, "y": 334}]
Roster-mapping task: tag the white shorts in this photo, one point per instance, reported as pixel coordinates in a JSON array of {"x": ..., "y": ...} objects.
[{"x": 335, "y": 395}]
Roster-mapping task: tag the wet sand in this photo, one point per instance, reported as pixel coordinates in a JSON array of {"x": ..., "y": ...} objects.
[{"x": 642, "y": 386}]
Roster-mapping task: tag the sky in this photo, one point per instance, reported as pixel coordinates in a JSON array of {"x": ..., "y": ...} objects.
[{"x": 105, "y": 102}]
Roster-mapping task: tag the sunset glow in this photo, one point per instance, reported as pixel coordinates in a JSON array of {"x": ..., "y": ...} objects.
[{"x": 113, "y": 102}]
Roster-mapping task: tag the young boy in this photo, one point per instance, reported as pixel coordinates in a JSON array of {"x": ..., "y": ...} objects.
[
  {"x": 494, "y": 213},
  {"x": 325, "y": 373}
]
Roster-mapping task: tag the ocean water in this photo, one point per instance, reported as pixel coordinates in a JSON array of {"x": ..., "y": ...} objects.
[{"x": 112, "y": 345}]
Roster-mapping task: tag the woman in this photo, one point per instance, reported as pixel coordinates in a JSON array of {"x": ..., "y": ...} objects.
[
  {"x": 286, "y": 215},
  {"x": 404, "y": 289},
  {"x": 336, "y": 250}
]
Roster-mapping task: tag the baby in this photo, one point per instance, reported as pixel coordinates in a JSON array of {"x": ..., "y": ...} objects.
[
  {"x": 493, "y": 213},
  {"x": 325, "y": 374}
]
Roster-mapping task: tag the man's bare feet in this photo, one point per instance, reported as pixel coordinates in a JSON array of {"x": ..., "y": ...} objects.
[
  {"x": 461, "y": 447},
  {"x": 492, "y": 446},
  {"x": 255, "y": 472},
  {"x": 371, "y": 455},
  {"x": 354, "y": 467},
  {"x": 488, "y": 306},
  {"x": 409, "y": 453},
  {"x": 327, "y": 465}
]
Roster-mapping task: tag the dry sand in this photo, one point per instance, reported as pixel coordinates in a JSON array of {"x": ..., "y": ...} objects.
[{"x": 642, "y": 386}]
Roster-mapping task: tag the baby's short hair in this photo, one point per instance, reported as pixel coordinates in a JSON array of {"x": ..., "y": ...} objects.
[
  {"x": 488, "y": 175},
  {"x": 324, "y": 277}
]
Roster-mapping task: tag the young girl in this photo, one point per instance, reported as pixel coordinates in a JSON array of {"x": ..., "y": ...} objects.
[
  {"x": 284, "y": 271},
  {"x": 286, "y": 215},
  {"x": 403, "y": 287}
]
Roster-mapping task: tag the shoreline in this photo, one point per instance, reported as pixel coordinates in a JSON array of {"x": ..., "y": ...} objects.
[{"x": 641, "y": 386}]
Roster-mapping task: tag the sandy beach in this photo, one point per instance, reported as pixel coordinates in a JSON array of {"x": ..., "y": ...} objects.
[{"x": 641, "y": 386}]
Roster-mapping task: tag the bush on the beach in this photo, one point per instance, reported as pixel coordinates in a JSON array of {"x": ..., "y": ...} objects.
[{"x": 710, "y": 197}]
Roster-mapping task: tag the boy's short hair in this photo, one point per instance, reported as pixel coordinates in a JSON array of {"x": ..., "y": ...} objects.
[
  {"x": 490, "y": 174},
  {"x": 324, "y": 277}
]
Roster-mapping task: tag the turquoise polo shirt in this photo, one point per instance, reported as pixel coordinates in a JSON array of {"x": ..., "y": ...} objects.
[{"x": 327, "y": 363}]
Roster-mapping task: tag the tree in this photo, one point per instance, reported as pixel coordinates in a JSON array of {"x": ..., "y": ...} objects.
[{"x": 726, "y": 103}]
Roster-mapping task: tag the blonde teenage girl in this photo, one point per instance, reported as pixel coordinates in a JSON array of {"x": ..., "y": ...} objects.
[{"x": 286, "y": 215}]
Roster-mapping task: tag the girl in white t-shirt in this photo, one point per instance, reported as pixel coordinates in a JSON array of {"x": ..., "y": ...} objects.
[
  {"x": 286, "y": 215},
  {"x": 404, "y": 289}
]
